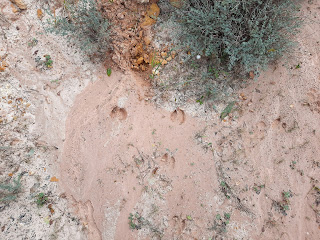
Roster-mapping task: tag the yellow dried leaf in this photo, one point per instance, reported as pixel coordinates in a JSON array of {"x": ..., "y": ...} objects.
[
  {"x": 40, "y": 14},
  {"x": 20, "y": 4},
  {"x": 54, "y": 179}
]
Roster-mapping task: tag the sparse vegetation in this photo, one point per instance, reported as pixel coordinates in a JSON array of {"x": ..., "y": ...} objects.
[
  {"x": 283, "y": 205},
  {"x": 81, "y": 22},
  {"x": 10, "y": 190},
  {"x": 220, "y": 223},
  {"x": 136, "y": 222}
]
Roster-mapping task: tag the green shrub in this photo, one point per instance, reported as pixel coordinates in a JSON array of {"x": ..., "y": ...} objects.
[
  {"x": 240, "y": 34},
  {"x": 83, "y": 23}
]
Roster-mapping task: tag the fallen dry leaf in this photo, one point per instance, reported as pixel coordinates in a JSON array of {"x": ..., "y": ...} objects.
[
  {"x": 50, "y": 208},
  {"x": 14, "y": 9},
  {"x": 40, "y": 14},
  {"x": 20, "y": 4},
  {"x": 54, "y": 179}
]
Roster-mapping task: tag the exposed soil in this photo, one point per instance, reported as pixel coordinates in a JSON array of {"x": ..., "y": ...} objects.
[{"x": 120, "y": 159}]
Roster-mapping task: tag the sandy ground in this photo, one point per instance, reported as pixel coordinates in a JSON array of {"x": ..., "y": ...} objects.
[{"x": 128, "y": 168}]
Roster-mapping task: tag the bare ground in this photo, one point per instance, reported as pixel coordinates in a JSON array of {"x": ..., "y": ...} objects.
[{"x": 177, "y": 172}]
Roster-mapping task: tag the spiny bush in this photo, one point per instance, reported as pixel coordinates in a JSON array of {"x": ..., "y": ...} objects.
[
  {"x": 240, "y": 34},
  {"x": 83, "y": 23}
]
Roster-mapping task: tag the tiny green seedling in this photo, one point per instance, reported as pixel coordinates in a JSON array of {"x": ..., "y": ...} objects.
[
  {"x": 287, "y": 195},
  {"x": 257, "y": 189},
  {"x": 48, "y": 62},
  {"x": 293, "y": 165},
  {"x": 200, "y": 100},
  {"x": 284, "y": 204},
  {"x": 42, "y": 199},
  {"x": 223, "y": 184},
  {"x": 109, "y": 71},
  {"x": 225, "y": 189},
  {"x": 132, "y": 225},
  {"x": 33, "y": 42},
  {"x": 55, "y": 81},
  {"x": 189, "y": 217}
]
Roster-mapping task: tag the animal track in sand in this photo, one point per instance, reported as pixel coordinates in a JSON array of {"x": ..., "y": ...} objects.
[
  {"x": 178, "y": 115},
  {"x": 119, "y": 113},
  {"x": 168, "y": 159},
  {"x": 279, "y": 124},
  {"x": 260, "y": 129},
  {"x": 314, "y": 100}
]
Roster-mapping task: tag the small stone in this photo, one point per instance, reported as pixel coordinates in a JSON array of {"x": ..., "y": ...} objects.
[
  {"x": 140, "y": 60},
  {"x": 251, "y": 75},
  {"x": 148, "y": 21},
  {"x": 120, "y": 16},
  {"x": 164, "y": 62},
  {"x": 155, "y": 72},
  {"x": 242, "y": 96},
  {"x": 146, "y": 58},
  {"x": 14, "y": 9},
  {"x": 140, "y": 34},
  {"x": 163, "y": 54},
  {"x": 147, "y": 40},
  {"x": 5, "y": 64},
  {"x": 152, "y": 15}
]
